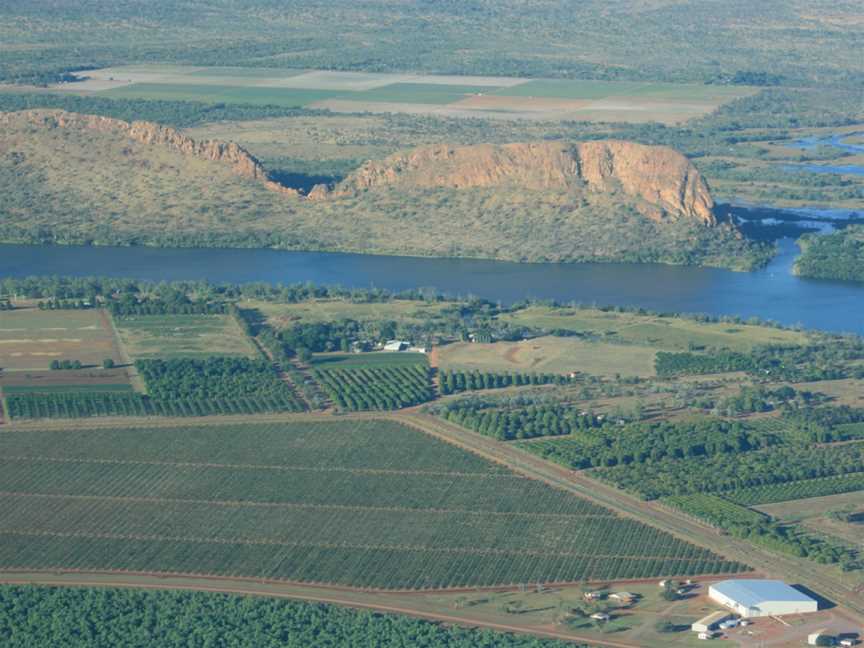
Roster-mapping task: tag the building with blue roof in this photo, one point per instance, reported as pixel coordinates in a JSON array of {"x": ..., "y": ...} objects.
[{"x": 760, "y": 598}]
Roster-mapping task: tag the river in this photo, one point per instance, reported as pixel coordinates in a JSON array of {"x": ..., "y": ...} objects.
[{"x": 771, "y": 294}]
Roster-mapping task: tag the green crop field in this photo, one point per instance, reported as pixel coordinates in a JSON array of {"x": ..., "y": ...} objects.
[
  {"x": 423, "y": 93},
  {"x": 186, "y": 336},
  {"x": 332, "y": 502},
  {"x": 55, "y": 389},
  {"x": 286, "y": 97}
]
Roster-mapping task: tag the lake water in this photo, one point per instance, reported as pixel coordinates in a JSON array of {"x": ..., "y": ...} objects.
[{"x": 773, "y": 293}]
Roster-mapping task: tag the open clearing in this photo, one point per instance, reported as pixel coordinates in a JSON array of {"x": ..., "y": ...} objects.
[
  {"x": 667, "y": 333},
  {"x": 329, "y": 310},
  {"x": 549, "y": 355},
  {"x": 30, "y": 338},
  {"x": 182, "y": 336},
  {"x": 448, "y": 95},
  {"x": 332, "y": 502}
]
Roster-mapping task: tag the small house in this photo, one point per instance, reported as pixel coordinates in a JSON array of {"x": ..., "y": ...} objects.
[
  {"x": 706, "y": 635},
  {"x": 395, "y": 345},
  {"x": 592, "y": 596},
  {"x": 819, "y": 638},
  {"x": 600, "y": 616}
]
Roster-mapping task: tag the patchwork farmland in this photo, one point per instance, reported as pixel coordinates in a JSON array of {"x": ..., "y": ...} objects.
[
  {"x": 331, "y": 502},
  {"x": 449, "y": 96}
]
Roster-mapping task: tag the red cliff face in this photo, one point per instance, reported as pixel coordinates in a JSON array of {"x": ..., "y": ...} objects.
[{"x": 660, "y": 181}]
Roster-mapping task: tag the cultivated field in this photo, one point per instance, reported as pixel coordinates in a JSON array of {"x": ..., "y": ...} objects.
[
  {"x": 450, "y": 96},
  {"x": 186, "y": 336},
  {"x": 668, "y": 333},
  {"x": 30, "y": 339},
  {"x": 549, "y": 355},
  {"x": 366, "y": 503}
]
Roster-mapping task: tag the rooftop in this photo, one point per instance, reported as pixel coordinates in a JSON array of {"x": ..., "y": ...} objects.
[{"x": 752, "y": 593}]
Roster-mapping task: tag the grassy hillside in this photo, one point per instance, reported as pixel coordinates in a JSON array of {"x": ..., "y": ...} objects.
[
  {"x": 74, "y": 186},
  {"x": 653, "y": 39}
]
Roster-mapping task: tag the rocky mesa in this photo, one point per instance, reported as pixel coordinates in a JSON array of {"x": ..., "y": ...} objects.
[
  {"x": 238, "y": 158},
  {"x": 659, "y": 181}
]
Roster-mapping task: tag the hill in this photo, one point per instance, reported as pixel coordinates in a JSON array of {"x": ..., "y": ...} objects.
[{"x": 70, "y": 178}]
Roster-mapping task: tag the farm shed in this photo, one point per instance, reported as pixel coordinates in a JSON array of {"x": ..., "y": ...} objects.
[
  {"x": 708, "y": 623},
  {"x": 759, "y": 598}
]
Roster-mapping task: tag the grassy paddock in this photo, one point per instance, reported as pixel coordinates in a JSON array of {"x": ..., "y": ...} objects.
[
  {"x": 549, "y": 355},
  {"x": 667, "y": 333},
  {"x": 30, "y": 338},
  {"x": 187, "y": 336},
  {"x": 328, "y": 310}
]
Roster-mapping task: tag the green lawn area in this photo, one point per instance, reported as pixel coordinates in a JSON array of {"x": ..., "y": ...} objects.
[
  {"x": 667, "y": 333},
  {"x": 186, "y": 336},
  {"x": 287, "y": 97},
  {"x": 424, "y": 93},
  {"x": 550, "y": 355}
]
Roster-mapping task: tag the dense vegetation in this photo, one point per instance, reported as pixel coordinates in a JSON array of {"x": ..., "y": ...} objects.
[
  {"x": 651, "y": 443},
  {"x": 787, "y": 491},
  {"x": 713, "y": 42},
  {"x": 507, "y": 424},
  {"x": 364, "y": 503},
  {"x": 32, "y": 617},
  {"x": 179, "y": 114},
  {"x": 213, "y": 378},
  {"x": 833, "y": 256}
]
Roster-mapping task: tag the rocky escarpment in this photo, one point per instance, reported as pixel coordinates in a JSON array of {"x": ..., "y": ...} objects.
[
  {"x": 241, "y": 161},
  {"x": 658, "y": 180}
]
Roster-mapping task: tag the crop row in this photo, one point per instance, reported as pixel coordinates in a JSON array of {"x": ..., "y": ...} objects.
[
  {"x": 337, "y": 445},
  {"x": 94, "y": 404},
  {"x": 798, "y": 490},
  {"x": 377, "y": 388},
  {"x": 364, "y": 567}
]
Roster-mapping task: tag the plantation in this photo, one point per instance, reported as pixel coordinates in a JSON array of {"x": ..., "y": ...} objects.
[
  {"x": 71, "y": 405},
  {"x": 325, "y": 502},
  {"x": 458, "y": 381},
  {"x": 378, "y": 386},
  {"x": 124, "y": 617},
  {"x": 730, "y": 472},
  {"x": 795, "y": 490},
  {"x": 647, "y": 443},
  {"x": 508, "y": 424}
]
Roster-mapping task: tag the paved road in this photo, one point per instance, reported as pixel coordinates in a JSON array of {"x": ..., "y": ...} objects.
[{"x": 787, "y": 568}]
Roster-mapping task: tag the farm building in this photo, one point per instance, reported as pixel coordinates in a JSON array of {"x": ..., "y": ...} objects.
[
  {"x": 759, "y": 598},
  {"x": 395, "y": 345},
  {"x": 710, "y": 622}
]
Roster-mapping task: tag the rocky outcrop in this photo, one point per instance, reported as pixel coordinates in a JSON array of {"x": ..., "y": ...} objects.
[
  {"x": 242, "y": 162},
  {"x": 658, "y": 180}
]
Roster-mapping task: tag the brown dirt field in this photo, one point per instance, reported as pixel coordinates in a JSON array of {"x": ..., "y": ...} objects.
[{"x": 84, "y": 377}]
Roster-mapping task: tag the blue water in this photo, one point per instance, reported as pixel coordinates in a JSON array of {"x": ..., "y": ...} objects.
[
  {"x": 848, "y": 169},
  {"x": 834, "y": 141},
  {"x": 773, "y": 293}
]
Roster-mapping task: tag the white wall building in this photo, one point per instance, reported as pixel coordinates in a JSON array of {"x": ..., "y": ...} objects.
[{"x": 759, "y": 598}]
